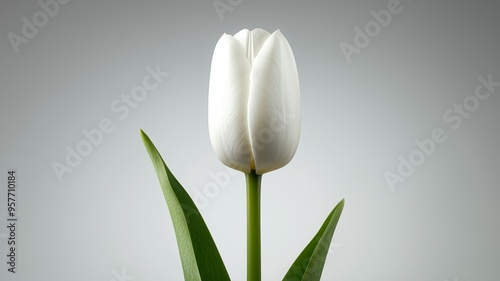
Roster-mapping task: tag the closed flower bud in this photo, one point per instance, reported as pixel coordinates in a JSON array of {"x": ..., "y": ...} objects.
[{"x": 254, "y": 101}]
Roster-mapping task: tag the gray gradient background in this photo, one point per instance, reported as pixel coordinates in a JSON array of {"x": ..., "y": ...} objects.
[{"x": 109, "y": 214}]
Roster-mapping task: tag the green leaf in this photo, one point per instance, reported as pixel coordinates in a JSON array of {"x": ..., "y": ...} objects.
[
  {"x": 309, "y": 264},
  {"x": 200, "y": 257}
]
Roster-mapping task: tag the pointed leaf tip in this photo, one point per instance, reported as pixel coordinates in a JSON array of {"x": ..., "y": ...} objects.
[
  {"x": 200, "y": 257},
  {"x": 310, "y": 263}
]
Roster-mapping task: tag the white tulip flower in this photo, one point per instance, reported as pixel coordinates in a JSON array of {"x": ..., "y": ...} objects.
[
  {"x": 254, "y": 126},
  {"x": 254, "y": 101}
]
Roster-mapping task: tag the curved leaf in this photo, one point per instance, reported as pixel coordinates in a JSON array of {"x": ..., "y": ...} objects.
[
  {"x": 309, "y": 264},
  {"x": 200, "y": 257}
]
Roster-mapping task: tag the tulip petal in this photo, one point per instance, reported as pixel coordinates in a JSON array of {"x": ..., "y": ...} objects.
[
  {"x": 274, "y": 105},
  {"x": 252, "y": 41},
  {"x": 227, "y": 105}
]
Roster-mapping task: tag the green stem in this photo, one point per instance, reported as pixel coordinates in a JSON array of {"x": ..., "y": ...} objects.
[{"x": 253, "y": 226}]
